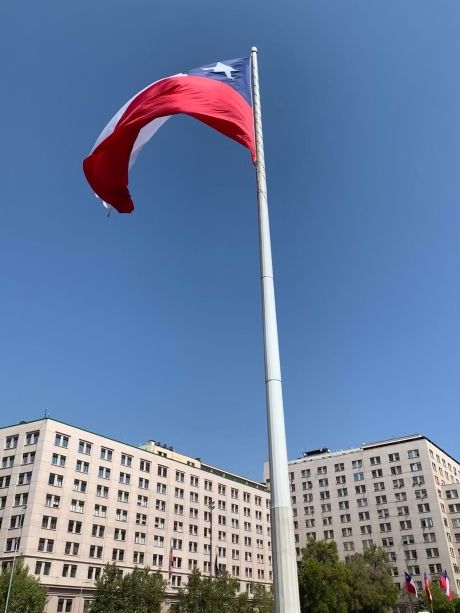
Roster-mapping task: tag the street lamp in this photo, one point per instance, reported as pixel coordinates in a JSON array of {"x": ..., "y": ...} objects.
[
  {"x": 15, "y": 555},
  {"x": 211, "y": 507}
]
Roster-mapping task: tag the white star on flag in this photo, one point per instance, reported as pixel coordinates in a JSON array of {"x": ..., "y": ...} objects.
[{"x": 219, "y": 67}]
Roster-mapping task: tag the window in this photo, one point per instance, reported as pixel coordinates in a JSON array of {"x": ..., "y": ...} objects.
[
  {"x": 32, "y": 438},
  {"x": 94, "y": 572},
  {"x": 158, "y": 541},
  {"x": 102, "y": 491},
  {"x": 84, "y": 447},
  {"x": 385, "y": 527},
  {"x": 79, "y": 486},
  {"x": 406, "y": 524},
  {"x": 78, "y": 506},
  {"x": 362, "y": 502},
  {"x": 379, "y": 486},
  {"x": 358, "y": 476},
  {"x": 413, "y": 453},
  {"x": 82, "y": 467},
  {"x": 402, "y": 510},
  {"x": 426, "y": 522},
  {"x": 328, "y": 534},
  {"x": 106, "y": 454},
  {"x": 20, "y": 500},
  {"x": 360, "y": 489},
  {"x": 11, "y": 442},
  {"x": 144, "y": 466},
  {"x": 95, "y": 551},
  {"x": 337, "y": 467},
  {"x": 121, "y": 515},
  {"x": 378, "y": 472},
  {"x": 25, "y": 478},
  {"x": 194, "y": 481},
  {"x": 98, "y": 530},
  {"x": 415, "y": 466},
  {"x": 375, "y": 460},
  {"x": 49, "y": 522},
  {"x": 387, "y": 541},
  {"x": 27, "y": 458},
  {"x": 432, "y": 552},
  {"x": 118, "y": 555},
  {"x": 42, "y": 568},
  {"x": 408, "y": 539},
  {"x": 208, "y": 485},
  {"x": 381, "y": 499},
  {"x": 139, "y": 538},
  {"x": 398, "y": 483},
  {"x": 104, "y": 472},
  {"x": 161, "y": 488},
  {"x": 119, "y": 534},
  {"x": 74, "y": 527},
  {"x": 126, "y": 460},
  {"x": 357, "y": 464},
  {"x": 323, "y": 482},
  {"x": 157, "y": 559},
  {"x": 125, "y": 478},
  {"x": 424, "y": 507},
  {"x": 142, "y": 501},
  {"x": 396, "y": 470},
  {"x": 123, "y": 496},
  {"x": 100, "y": 510},
  {"x": 143, "y": 483},
  {"x": 61, "y": 440},
  {"x": 71, "y": 549},
  {"x": 364, "y": 516},
  {"x": 138, "y": 557},
  {"x": 69, "y": 570},
  {"x": 64, "y": 605},
  {"x": 340, "y": 479},
  {"x": 141, "y": 519},
  {"x": 8, "y": 461},
  {"x": 417, "y": 481},
  {"x": 5, "y": 481},
  {"x": 162, "y": 471},
  {"x": 46, "y": 545},
  {"x": 393, "y": 457},
  {"x": 322, "y": 470}
]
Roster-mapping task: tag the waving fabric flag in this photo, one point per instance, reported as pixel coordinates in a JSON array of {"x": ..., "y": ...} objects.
[
  {"x": 217, "y": 94},
  {"x": 410, "y": 585},
  {"x": 426, "y": 583},
  {"x": 445, "y": 584}
]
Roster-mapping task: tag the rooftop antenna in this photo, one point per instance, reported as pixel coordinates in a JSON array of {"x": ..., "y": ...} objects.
[{"x": 46, "y": 414}]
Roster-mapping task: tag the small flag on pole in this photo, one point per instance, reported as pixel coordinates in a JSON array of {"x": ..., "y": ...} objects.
[
  {"x": 217, "y": 94},
  {"x": 410, "y": 584},
  {"x": 426, "y": 583},
  {"x": 445, "y": 584}
]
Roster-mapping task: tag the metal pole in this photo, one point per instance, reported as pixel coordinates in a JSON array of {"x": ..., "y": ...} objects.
[
  {"x": 211, "y": 509},
  {"x": 15, "y": 554},
  {"x": 283, "y": 549}
]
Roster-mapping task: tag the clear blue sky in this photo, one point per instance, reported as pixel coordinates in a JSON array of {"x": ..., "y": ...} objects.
[{"x": 148, "y": 326}]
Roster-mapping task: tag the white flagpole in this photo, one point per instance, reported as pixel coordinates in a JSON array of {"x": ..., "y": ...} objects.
[{"x": 282, "y": 535}]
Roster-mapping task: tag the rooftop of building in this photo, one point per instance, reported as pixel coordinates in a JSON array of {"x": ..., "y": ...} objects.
[
  {"x": 161, "y": 450},
  {"x": 318, "y": 454}
]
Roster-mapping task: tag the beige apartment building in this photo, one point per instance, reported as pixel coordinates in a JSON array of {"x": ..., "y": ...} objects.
[
  {"x": 401, "y": 494},
  {"x": 74, "y": 500}
]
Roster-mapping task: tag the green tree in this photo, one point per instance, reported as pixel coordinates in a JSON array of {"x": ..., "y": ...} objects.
[
  {"x": 211, "y": 594},
  {"x": 261, "y": 601},
  {"x": 372, "y": 589},
  {"x": 138, "y": 592},
  {"x": 323, "y": 579},
  {"x": 108, "y": 596},
  {"x": 143, "y": 591},
  {"x": 441, "y": 603},
  {"x": 27, "y": 594}
]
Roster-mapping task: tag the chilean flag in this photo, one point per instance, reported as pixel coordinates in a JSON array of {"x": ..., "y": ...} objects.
[
  {"x": 217, "y": 94},
  {"x": 426, "y": 582},
  {"x": 445, "y": 584},
  {"x": 410, "y": 585}
]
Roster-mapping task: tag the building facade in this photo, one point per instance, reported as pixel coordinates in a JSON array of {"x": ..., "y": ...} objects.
[
  {"x": 401, "y": 494},
  {"x": 72, "y": 500}
]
